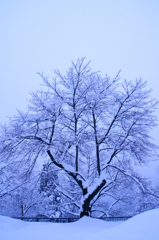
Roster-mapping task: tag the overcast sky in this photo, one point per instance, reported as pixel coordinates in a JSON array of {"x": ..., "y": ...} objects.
[{"x": 43, "y": 35}]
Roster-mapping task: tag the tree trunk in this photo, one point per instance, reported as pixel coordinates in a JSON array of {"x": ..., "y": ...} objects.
[
  {"x": 22, "y": 211},
  {"x": 86, "y": 208}
]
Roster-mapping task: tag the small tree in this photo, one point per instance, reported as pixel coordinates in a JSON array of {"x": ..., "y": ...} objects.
[
  {"x": 92, "y": 129},
  {"x": 52, "y": 199},
  {"x": 20, "y": 199}
]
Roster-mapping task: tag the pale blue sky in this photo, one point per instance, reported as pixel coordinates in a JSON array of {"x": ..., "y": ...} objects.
[{"x": 45, "y": 35}]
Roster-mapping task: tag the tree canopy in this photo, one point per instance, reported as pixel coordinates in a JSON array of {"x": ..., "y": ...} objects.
[{"x": 94, "y": 131}]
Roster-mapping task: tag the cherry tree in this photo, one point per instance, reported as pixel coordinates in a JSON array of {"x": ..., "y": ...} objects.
[{"x": 91, "y": 128}]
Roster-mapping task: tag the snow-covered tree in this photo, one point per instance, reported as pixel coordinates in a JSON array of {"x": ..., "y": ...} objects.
[
  {"x": 19, "y": 195},
  {"x": 91, "y": 128},
  {"x": 52, "y": 199},
  {"x": 126, "y": 198}
]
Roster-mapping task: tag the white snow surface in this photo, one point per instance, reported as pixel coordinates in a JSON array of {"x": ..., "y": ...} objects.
[{"x": 144, "y": 226}]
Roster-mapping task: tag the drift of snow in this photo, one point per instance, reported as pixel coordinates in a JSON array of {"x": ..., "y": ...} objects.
[{"x": 143, "y": 226}]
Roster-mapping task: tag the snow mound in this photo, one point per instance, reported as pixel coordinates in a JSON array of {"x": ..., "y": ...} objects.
[
  {"x": 7, "y": 223},
  {"x": 143, "y": 226}
]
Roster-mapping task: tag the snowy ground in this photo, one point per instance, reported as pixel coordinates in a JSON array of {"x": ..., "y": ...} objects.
[{"x": 141, "y": 227}]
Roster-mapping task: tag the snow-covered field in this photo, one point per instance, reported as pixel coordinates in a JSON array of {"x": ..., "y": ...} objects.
[{"x": 144, "y": 226}]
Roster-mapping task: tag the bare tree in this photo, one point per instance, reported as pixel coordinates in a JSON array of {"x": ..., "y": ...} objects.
[
  {"x": 19, "y": 197},
  {"x": 92, "y": 129}
]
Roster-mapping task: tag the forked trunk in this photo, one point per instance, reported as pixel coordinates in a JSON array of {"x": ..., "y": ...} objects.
[{"x": 86, "y": 208}]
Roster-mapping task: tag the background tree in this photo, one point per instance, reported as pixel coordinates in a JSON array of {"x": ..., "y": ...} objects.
[
  {"x": 19, "y": 197},
  {"x": 56, "y": 200},
  {"x": 92, "y": 129}
]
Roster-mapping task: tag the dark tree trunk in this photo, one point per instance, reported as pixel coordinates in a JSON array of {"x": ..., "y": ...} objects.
[
  {"x": 97, "y": 145},
  {"x": 22, "y": 211},
  {"x": 86, "y": 208}
]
